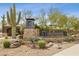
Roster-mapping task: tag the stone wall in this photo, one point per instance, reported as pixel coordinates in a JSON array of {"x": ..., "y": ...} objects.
[{"x": 28, "y": 33}]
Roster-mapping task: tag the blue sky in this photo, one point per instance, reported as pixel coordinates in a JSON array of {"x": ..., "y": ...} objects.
[{"x": 67, "y": 8}]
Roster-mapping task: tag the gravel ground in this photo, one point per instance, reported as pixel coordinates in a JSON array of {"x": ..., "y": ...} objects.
[{"x": 27, "y": 51}]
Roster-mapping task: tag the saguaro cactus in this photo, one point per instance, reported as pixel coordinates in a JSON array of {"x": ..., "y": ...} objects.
[
  {"x": 12, "y": 20},
  {"x": 3, "y": 23}
]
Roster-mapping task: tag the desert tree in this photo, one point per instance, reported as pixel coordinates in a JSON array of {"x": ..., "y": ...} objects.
[
  {"x": 62, "y": 21},
  {"x": 42, "y": 18},
  {"x": 54, "y": 15},
  {"x": 74, "y": 23},
  {"x": 26, "y": 14}
]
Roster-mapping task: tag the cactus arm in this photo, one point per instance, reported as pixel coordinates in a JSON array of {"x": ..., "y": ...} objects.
[
  {"x": 19, "y": 18},
  {"x": 14, "y": 14},
  {"x": 11, "y": 17},
  {"x": 8, "y": 18},
  {"x": 3, "y": 23}
]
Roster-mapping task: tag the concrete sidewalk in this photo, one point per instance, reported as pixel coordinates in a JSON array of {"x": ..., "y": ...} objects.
[{"x": 72, "y": 51}]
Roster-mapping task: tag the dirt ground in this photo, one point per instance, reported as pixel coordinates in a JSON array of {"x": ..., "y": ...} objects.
[{"x": 24, "y": 50}]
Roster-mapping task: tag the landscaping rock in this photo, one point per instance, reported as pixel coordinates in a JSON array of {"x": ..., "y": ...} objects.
[
  {"x": 55, "y": 45},
  {"x": 76, "y": 36},
  {"x": 58, "y": 46},
  {"x": 15, "y": 43},
  {"x": 65, "y": 42},
  {"x": 33, "y": 46},
  {"x": 49, "y": 44},
  {"x": 19, "y": 37}
]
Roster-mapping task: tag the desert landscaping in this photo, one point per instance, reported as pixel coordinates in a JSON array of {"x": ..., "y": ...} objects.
[
  {"x": 24, "y": 50},
  {"x": 37, "y": 39}
]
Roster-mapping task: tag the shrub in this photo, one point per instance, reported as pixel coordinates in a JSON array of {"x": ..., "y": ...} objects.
[
  {"x": 6, "y": 43},
  {"x": 6, "y": 37},
  {"x": 37, "y": 27},
  {"x": 69, "y": 39},
  {"x": 41, "y": 43},
  {"x": 33, "y": 39}
]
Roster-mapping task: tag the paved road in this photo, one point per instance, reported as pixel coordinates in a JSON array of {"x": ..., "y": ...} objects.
[{"x": 72, "y": 51}]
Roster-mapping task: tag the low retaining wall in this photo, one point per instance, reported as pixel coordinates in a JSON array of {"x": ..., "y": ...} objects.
[{"x": 30, "y": 32}]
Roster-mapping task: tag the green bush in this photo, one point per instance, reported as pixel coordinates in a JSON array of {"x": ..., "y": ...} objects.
[
  {"x": 37, "y": 27},
  {"x": 6, "y": 37},
  {"x": 41, "y": 43},
  {"x": 6, "y": 43}
]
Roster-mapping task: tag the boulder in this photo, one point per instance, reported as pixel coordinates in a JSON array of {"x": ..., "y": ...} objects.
[
  {"x": 15, "y": 43},
  {"x": 58, "y": 46},
  {"x": 65, "y": 42},
  {"x": 55, "y": 45},
  {"x": 19, "y": 37},
  {"x": 49, "y": 44}
]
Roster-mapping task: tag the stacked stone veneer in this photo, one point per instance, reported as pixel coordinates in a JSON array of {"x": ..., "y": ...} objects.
[{"x": 28, "y": 33}]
